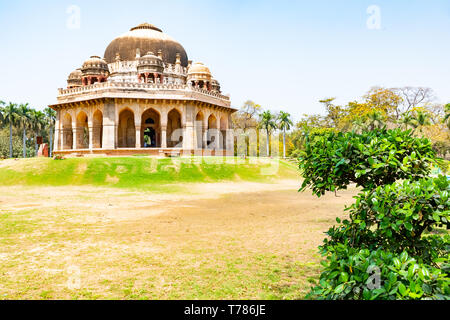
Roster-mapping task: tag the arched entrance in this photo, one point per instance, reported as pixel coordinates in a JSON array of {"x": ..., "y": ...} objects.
[
  {"x": 67, "y": 143},
  {"x": 151, "y": 129},
  {"x": 127, "y": 129},
  {"x": 82, "y": 131},
  {"x": 212, "y": 139},
  {"x": 174, "y": 133}
]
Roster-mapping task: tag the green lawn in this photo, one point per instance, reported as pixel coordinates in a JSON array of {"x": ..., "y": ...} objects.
[{"x": 140, "y": 172}]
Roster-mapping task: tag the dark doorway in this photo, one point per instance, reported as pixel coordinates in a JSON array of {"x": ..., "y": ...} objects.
[{"x": 149, "y": 138}]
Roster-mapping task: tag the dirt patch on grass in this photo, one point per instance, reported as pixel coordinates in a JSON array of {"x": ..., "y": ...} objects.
[{"x": 210, "y": 241}]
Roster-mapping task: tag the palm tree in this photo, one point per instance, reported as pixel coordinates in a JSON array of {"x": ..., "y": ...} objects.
[
  {"x": 10, "y": 116},
  {"x": 1, "y": 112},
  {"x": 408, "y": 120},
  {"x": 447, "y": 115},
  {"x": 50, "y": 118},
  {"x": 375, "y": 120},
  {"x": 37, "y": 124},
  {"x": 24, "y": 122},
  {"x": 285, "y": 123},
  {"x": 422, "y": 120},
  {"x": 358, "y": 124},
  {"x": 268, "y": 123}
]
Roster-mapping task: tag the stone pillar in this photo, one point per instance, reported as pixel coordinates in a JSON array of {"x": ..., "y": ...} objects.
[
  {"x": 91, "y": 137},
  {"x": 188, "y": 137},
  {"x": 57, "y": 134},
  {"x": 138, "y": 135},
  {"x": 109, "y": 125},
  {"x": 61, "y": 138},
  {"x": 205, "y": 138},
  {"x": 163, "y": 136},
  {"x": 75, "y": 137}
]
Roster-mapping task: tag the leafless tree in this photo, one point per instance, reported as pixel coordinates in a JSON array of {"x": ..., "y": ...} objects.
[{"x": 413, "y": 97}]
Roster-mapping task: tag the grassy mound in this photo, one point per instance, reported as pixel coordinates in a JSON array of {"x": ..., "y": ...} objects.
[{"x": 140, "y": 172}]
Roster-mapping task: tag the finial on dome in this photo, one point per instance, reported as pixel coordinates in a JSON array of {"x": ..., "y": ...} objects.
[{"x": 146, "y": 25}]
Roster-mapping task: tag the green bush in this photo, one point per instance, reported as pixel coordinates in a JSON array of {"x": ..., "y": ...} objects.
[
  {"x": 356, "y": 274},
  {"x": 395, "y": 217},
  {"x": 387, "y": 226},
  {"x": 332, "y": 161}
]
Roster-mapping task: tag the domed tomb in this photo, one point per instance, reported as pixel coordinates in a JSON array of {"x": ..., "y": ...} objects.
[{"x": 146, "y": 38}]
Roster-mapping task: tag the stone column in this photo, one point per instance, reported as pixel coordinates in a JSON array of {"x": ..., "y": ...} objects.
[
  {"x": 91, "y": 137},
  {"x": 75, "y": 137},
  {"x": 164, "y": 137},
  {"x": 188, "y": 137},
  {"x": 138, "y": 135},
  {"x": 109, "y": 126},
  {"x": 61, "y": 138}
]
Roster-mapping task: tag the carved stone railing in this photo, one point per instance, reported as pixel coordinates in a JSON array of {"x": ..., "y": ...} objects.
[{"x": 98, "y": 87}]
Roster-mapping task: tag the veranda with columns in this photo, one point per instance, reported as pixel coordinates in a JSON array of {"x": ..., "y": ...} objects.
[{"x": 125, "y": 126}]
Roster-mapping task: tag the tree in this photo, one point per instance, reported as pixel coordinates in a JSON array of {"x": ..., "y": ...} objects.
[
  {"x": 375, "y": 120},
  {"x": 1, "y": 112},
  {"x": 422, "y": 120},
  {"x": 398, "y": 204},
  {"x": 23, "y": 118},
  {"x": 50, "y": 118},
  {"x": 447, "y": 115},
  {"x": 285, "y": 123},
  {"x": 335, "y": 114},
  {"x": 247, "y": 118},
  {"x": 11, "y": 116},
  {"x": 268, "y": 123},
  {"x": 408, "y": 120},
  {"x": 333, "y": 160},
  {"x": 412, "y": 97},
  {"x": 37, "y": 124}
]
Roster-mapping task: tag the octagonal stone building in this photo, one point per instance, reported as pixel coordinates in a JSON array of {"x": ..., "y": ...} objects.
[{"x": 143, "y": 97}]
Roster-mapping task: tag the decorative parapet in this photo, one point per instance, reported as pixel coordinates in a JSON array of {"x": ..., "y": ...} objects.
[{"x": 141, "y": 90}]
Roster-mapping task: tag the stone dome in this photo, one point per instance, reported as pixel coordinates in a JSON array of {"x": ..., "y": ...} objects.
[
  {"x": 95, "y": 66},
  {"x": 146, "y": 38},
  {"x": 150, "y": 63},
  {"x": 199, "y": 71},
  {"x": 75, "y": 75},
  {"x": 74, "y": 79}
]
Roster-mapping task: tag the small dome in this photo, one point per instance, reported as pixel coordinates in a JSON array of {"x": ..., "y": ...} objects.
[
  {"x": 95, "y": 66},
  {"x": 199, "y": 71},
  {"x": 150, "y": 63},
  {"x": 76, "y": 74},
  {"x": 74, "y": 79}
]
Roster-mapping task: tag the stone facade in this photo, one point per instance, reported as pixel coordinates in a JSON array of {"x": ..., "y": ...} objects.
[{"x": 147, "y": 105}]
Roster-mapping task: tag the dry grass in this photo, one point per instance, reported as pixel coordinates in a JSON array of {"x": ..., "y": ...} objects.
[{"x": 237, "y": 240}]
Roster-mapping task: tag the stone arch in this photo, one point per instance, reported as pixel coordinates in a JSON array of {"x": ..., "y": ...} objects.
[
  {"x": 67, "y": 142},
  {"x": 82, "y": 131},
  {"x": 127, "y": 129},
  {"x": 174, "y": 125},
  {"x": 97, "y": 129},
  {"x": 213, "y": 133},
  {"x": 151, "y": 128}
]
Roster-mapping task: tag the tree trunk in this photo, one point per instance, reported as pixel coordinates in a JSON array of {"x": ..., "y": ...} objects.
[
  {"x": 10, "y": 140},
  {"x": 36, "y": 146},
  {"x": 268, "y": 143},
  {"x": 24, "y": 143},
  {"x": 284, "y": 143}
]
